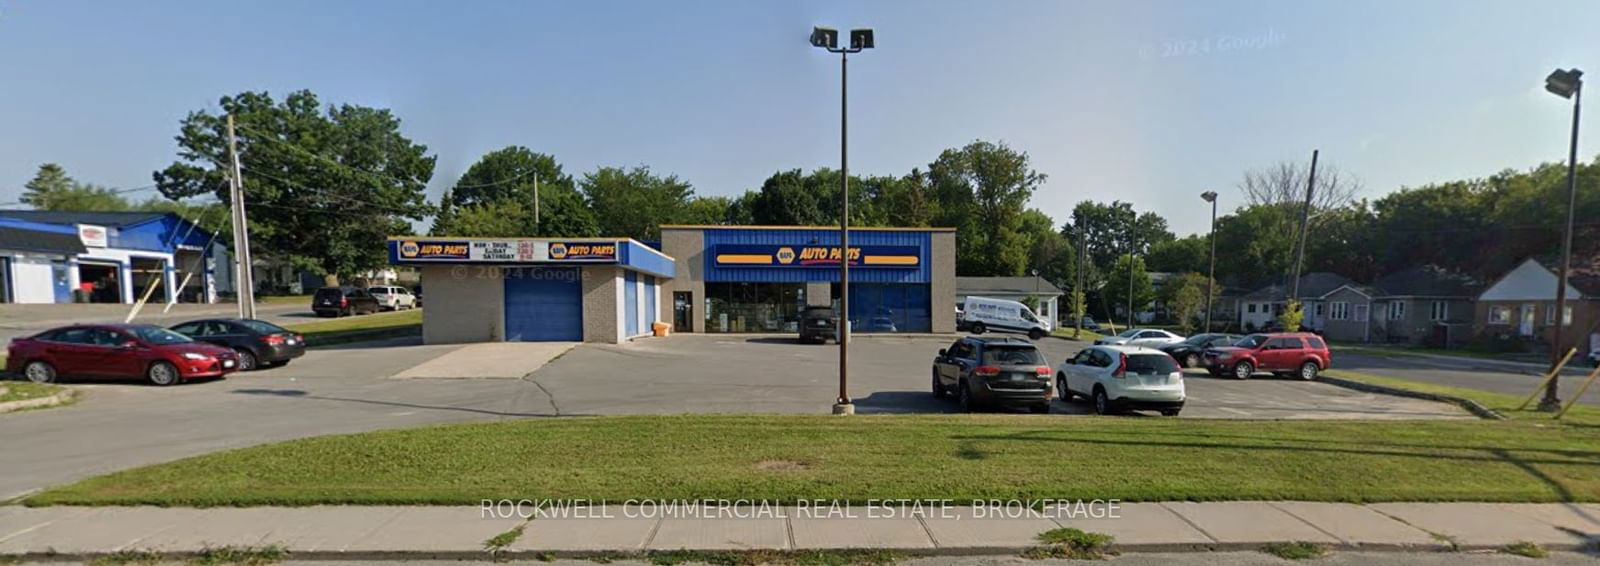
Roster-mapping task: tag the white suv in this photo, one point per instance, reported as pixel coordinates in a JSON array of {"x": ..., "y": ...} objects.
[
  {"x": 392, "y": 297},
  {"x": 1119, "y": 378}
]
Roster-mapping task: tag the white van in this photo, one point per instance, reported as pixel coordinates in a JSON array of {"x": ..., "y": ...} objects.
[{"x": 980, "y": 314}]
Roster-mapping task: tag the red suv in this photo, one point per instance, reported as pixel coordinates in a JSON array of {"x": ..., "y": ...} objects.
[{"x": 1297, "y": 353}]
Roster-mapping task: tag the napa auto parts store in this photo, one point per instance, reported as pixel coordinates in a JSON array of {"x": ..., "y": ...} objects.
[{"x": 535, "y": 289}]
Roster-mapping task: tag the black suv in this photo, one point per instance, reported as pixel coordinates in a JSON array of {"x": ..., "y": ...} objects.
[
  {"x": 341, "y": 301},
  {"x": 993, "y": 372},
  {"x": 817, "y": 324}
]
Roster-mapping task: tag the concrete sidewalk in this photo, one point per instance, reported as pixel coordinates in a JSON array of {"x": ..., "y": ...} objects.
[{"x": 463, "y": 532}]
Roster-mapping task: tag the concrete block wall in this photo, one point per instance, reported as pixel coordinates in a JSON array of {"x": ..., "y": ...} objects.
[
  {"x": 819, "y": 294},
  {"x": 942, "y": 289},
  {"x": 602, "y": 304},
  {"x": 688, "y": 247},
  {"x": 475, "y": 296}
]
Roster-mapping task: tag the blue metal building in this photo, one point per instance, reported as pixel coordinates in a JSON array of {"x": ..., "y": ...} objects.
[{"x": 759, "y": 278}]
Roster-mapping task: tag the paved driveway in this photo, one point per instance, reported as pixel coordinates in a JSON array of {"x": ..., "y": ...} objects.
[
  {"x": 1488, "y": 375},
  {"x": 350, "y": 389}
]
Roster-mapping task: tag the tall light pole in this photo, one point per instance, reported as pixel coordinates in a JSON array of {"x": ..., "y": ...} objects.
[
  {"x": 828, "y": 38},
  {"x": 1566, "y": 83},
  {"x": 1211, "y": 278}
]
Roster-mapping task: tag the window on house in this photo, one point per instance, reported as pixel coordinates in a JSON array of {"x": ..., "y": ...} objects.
[
  {"x": 1341, "y": 311},
  {"x": 1550, "y": 315},
  {"x": 1499, "y": 315},
  {"x": 1251, "y": 308},
  {"x": 1320, "y": 309},
  {"x": 1439, "y": 311},
  {"x": 1397, "y": 310}
]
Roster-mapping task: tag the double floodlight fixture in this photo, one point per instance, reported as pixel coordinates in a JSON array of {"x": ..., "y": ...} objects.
[
  {"x": 1564, "y": 82},
  {"x": 828, "y": 38}
]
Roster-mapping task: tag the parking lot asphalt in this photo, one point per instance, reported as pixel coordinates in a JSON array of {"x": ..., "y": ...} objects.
[
  {"x": 349, "y": 388},
  {"x": 26, "y": 320},
  {"x": 1488, "y": 375}
]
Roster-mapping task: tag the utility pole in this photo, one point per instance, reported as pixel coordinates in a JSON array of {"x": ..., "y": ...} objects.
[
  {"x": 1130, "y": 287},
  {"x": 245, "y": 281},
  {"x": 536, "y": 224},
  {"x": 1305, "y": 219},
  {"x": 1079, "y": 297}
]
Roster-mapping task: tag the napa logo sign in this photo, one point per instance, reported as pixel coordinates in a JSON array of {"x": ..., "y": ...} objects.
[
  {"x": 583, "y": 251},
  {"x": 785, "y": 255}
]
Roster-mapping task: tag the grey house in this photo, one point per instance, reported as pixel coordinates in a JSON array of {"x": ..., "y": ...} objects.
[
  {"x": 1262, "y": 306},
  {"x": 1424, "y": 304}
]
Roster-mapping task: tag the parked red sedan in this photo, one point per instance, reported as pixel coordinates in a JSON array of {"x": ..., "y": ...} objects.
[{"x": 117, "y": 351}]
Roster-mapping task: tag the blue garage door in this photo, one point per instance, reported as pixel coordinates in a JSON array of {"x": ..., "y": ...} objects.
[
  {"x": 543, "y": 304},
  {"x": 650, "y": 314},
  {"x": 631, "y": 301}
]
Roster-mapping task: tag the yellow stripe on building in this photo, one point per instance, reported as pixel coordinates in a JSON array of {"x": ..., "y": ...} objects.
[
  {"x": 891, "y": 260},
  {"x": 746, "y": 259}
]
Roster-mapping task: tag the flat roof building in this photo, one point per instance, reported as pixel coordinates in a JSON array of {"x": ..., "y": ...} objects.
[
  {"x": 759, "y": 278},
  {"x": 535, "y": 289}
]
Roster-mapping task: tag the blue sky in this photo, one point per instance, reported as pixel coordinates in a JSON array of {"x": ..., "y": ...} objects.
[{"x": 725, "y": 93}]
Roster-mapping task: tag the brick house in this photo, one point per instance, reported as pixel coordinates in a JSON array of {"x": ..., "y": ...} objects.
[{"x": 1521, "y": 304}]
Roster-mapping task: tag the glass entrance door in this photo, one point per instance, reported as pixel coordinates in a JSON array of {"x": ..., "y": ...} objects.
[{"x": 683, "y": 311}]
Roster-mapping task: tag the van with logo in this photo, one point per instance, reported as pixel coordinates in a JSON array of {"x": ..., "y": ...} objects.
[{"x": 982, "y": 314}]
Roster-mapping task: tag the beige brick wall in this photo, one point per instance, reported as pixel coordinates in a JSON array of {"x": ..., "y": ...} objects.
[
  {"x": 464, "y": 304},
  {"x": 942, "y": 291},
  {"x": 687, "y": 247},
  {"x": 601, "y": 308}
]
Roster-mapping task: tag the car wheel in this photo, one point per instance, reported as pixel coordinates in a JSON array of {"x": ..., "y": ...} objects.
[
  {"x": 964, "y": 397},
  {"x": 39, "y": 372},
  {"x": 1035, "y": 335},
  {"x": 162, "y": 373},
  {"x": 1308, "y": 371},
  {"x": 938, "y": 388},
  {"x": 1102, "y": 403},
  {"x": 1191, "y": 361},
  {"x": 1169, "y": 413},
  {"x": 1061, "y": 389},
  {"x": 978, "y": 328},
  {"x": 1244, "y": 370},
  {"x": 247, "y": 360}
]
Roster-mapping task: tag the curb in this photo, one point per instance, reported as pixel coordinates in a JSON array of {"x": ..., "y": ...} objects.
[
  {"x": 1471, "y": 406},
  {"x": 58, "y": 398},
  {"x": 644, "y": 555}
]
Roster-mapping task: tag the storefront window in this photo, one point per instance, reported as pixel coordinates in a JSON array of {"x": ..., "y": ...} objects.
[
  {"x": 878, "y": 307},
  {"x": 754, "y": 307}
]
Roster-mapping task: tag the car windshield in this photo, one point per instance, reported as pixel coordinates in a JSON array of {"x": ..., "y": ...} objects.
[
  {"x": 1151, "y": 364},
  {"x": 1012, "y": 356},
  {"x": 262, "y": 326},
  {"x": 1129, "y": 332},
  {"x": 158, "y": 335},
  {"x": 1254, "y": 341}
]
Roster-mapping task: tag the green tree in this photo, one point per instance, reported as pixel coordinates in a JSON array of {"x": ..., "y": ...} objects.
[
  {"x": 52, "y": 189},
  {"x": 1250, "y": 249},
  {"x": 494, "y": 219},
  {"x": 1050, "y": 254},
  {"x": 790, "y": 198},
  {"x": 634, "y": 202},
  {"x": 1181, "y": 255},
  {"x": 510, "y": 174},
  {"x": 1293, "y": 313},
  {"x": 707, "y": 210},
  {"x": 324, "y": 186},
  {"x": 1116, "y": 290},
  {"x": 986, "y": 186},
  {"x": 1185, "y": 297},
  {"x": 1114, "y": 229}
]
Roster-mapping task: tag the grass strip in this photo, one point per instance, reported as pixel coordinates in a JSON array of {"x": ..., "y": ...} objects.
[{"x": 866, "y": 458}]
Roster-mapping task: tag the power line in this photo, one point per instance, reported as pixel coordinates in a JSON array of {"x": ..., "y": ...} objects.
[{"x": 331, "y": 161}]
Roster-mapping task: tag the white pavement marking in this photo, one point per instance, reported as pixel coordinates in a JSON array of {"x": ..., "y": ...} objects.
[{"x": 511, "y": 360}]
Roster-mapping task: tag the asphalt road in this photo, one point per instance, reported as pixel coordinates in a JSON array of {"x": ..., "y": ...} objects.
[{"x": 1488, "y": 375}]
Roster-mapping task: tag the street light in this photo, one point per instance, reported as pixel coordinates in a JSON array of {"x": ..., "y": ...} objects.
[
  {"x": 828, "y": 38},
  {"x": 1566, "y": 83},
  {"x": 1211, "y": 278}
]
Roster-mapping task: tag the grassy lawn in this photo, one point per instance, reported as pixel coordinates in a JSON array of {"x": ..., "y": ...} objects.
[
  {"x": 24, "y": 390},
  {"x": 1581, "y": 415},
  {"x": 286, "y": 300},
  {"x": 332, "y": 330},
  {"x": 1407, "y": 351},
  {"x": 1084, "y": 336},
  {"x": 960, "y": 457}
]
